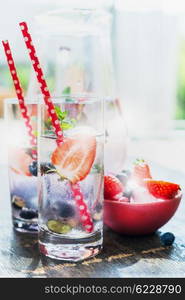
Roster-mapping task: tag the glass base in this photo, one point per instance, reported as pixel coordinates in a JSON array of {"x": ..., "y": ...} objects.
[
  {"x": 70, "y": 249},
  {"x": 25, "y": 227}
]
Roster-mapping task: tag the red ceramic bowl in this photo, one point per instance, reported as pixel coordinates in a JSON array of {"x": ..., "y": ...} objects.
[{"x": 139, "y": 218}]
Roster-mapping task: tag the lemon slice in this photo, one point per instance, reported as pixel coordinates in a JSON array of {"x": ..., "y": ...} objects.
[
  {"x": 18, "y": 202},
  {"x": 58, "y": 227}
]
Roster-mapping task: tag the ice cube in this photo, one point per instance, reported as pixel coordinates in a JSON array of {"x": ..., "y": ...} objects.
[
  {"x": 83, "y": 130},
  {"x": 141, "y": 195},
  {"x": 56, "y": 189},
  {"x": 24, "y": 187}
]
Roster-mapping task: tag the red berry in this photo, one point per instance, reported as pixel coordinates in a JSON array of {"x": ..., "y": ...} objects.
[
  {"x": 141, "y": 171},
  {"x": 161, "y": 189},
  {"x": 113, "y": 188},
  {"x": 43, "y": 249},
  {"x": 75, "y": 156},
  {"x": 20, "y": 161}
]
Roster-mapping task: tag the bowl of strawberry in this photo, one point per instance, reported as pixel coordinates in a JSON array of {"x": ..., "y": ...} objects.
[{"x": 137, "y": 204}]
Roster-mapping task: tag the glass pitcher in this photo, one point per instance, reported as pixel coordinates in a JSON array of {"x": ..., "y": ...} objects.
[{"x": 76, "y": 53}]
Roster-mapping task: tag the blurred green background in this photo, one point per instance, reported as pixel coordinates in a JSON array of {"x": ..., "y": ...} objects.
[
  {"x": 180, "y": 107},
  {"x": 24, "y": 71}
]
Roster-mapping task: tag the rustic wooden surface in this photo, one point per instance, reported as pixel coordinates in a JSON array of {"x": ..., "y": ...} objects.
[{"x": 122, "y": 256}]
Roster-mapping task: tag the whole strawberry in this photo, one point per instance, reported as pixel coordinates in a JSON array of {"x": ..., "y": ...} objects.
[
  {"x": 141, "y": 172},
  {"x": 162, "y": 189},
  {"x": 113, "y": 188}
]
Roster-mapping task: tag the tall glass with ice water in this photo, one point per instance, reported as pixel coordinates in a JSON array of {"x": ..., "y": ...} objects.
[{"x": 71, "y": 179}]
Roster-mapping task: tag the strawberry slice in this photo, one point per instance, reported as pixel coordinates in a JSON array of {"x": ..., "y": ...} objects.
[
  {"x": 113, "y": 188},
  {"x": 19, "y": 161},
  {"x": 75, "y": 156},
  {"x": 162, "y": 189},
  {"x": 141, "y": 171}
]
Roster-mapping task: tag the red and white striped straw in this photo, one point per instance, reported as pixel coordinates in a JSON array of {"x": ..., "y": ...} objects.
[
  {"x": 85, "y": 216},
  {"x": 42, "y": 81},
  {"x": 20, "y": 97}
]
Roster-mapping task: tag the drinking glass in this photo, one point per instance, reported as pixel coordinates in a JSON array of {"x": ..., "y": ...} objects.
[
  {"x": 22, "y": 167},
  {"x": 70, "y": 224},
  {"x": 75, "y": 47}
]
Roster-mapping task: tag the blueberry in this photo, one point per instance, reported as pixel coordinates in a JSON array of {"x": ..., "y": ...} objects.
[
  {"x": 33, "y": 168},
  {"x": 167, "y": 238},
  {"x": 98, "y": 207},
  {"x": 64, "y": 210},
  {"x": 28, "y": 214},
  {"x": 45, "y": 167}
]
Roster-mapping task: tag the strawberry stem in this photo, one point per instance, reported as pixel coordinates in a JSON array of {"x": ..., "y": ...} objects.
[
  {"x": 139, "y": 161},
  {"x": 57, "y": 172}
]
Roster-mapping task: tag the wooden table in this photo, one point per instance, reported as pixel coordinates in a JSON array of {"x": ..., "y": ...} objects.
[{"x": 122, "y": 256}]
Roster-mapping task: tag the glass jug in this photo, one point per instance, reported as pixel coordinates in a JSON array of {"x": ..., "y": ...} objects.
[{"x": 76, "y": 54}]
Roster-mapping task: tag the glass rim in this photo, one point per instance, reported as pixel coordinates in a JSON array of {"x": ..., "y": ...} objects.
[
  {"x": 75, "y": 11},
  {"x": 71, "y": 98},
  {"x": 14, "y": 100},
  {"x": 38, "y": 99},
  {"x": 92, "y": 18}
]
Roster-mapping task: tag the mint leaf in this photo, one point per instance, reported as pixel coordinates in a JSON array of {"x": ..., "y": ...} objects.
[
  {"x": 60, "y": 114},
  {"x": 66, "y": 125},
  {"x": 35, "y": 132},
  {"x": 66, "y": 90},
  {"x": 65, "y": 121},
  {"x": 64, "y": 114},
  {"x": 48, "y": 124}
]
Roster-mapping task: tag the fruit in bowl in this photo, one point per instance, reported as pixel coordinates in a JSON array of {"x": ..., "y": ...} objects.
[{"x": 139, "y": 204}]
